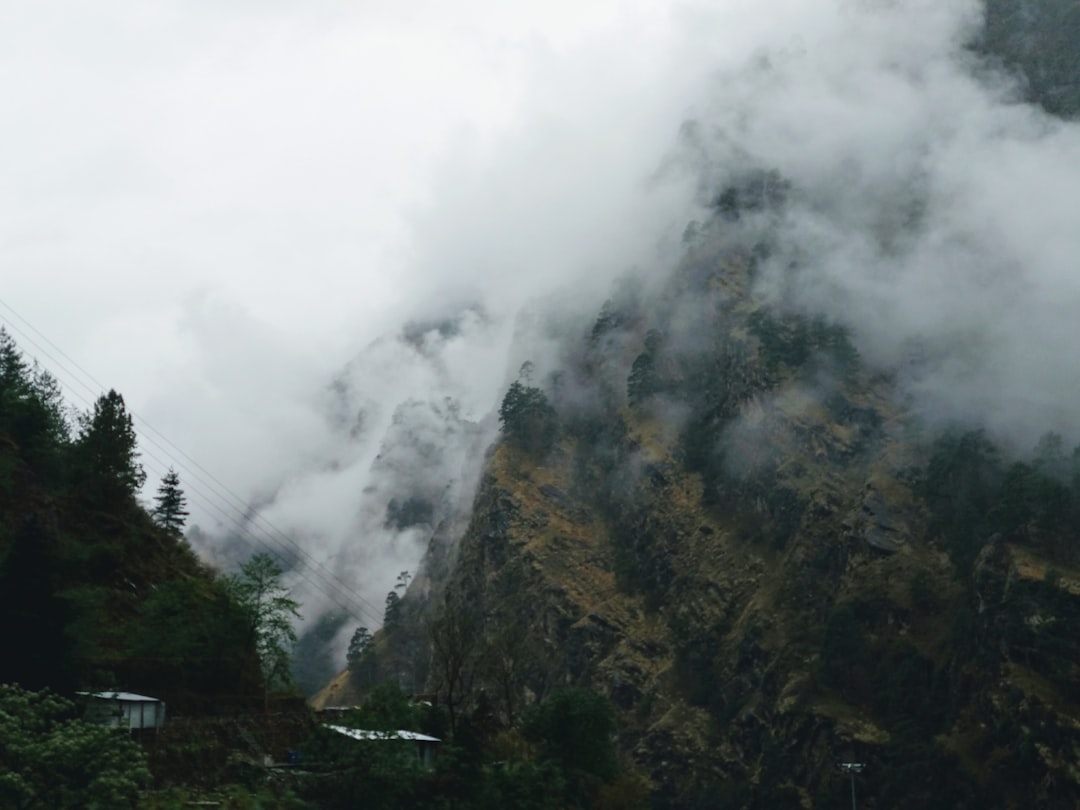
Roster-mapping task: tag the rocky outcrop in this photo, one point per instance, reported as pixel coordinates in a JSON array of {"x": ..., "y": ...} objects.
[{"x": 739, "y": 559}]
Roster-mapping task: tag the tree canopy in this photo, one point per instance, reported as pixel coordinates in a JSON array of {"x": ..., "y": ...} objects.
[
  {"x": 528, "y": 420},
  {"x": 49, "y": 759},
  {"x": 169, "y": 512},
  {"x": 107, "y": 446},
  {"x": 270, "y": 611}
]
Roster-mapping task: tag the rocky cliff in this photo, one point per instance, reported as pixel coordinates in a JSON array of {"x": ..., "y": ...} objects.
[
  {"x": 773, "y": 553},
  {"x": 730, "y": 534}
]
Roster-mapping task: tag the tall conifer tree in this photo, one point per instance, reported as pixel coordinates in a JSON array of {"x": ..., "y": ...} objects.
[
  {"x": 108, "y": 452},
  {"x": 169, "y": 513}
]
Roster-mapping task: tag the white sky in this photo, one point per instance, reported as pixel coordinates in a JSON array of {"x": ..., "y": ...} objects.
[
  {"x": 214, "y": 206},
  {"x": 209, "y": 206}
]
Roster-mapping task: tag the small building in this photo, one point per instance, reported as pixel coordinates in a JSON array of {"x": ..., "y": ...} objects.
[
  {"x": 427, "y": 747},
  {"x": 123, "y": 710}
]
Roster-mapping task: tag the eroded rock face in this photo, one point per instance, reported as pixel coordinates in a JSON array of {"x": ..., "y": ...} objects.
[{"x": 738, "y": 558}]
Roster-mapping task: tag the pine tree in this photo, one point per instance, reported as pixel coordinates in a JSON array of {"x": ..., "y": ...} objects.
[
  {"x": 14, "y": 377},
  {"x": 643, "y": 381},
  {"x": 12, "y": 366},
  {"x": 392, "y": 612},
  {"x": 32, "y": 410},
  {"x": 169, "y": 513},
  {"x": 107, "y": 453},
  {"x": 361, "y": 654},
  {"x": 527, "y": 418}
]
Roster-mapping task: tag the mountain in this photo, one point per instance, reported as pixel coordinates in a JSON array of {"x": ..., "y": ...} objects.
[
  {"x": 749, "y": 539},
  {"x": 1038, "y": 41},
  {"x": 804, "y": 493},
  {"x": 98, "y": 592}
]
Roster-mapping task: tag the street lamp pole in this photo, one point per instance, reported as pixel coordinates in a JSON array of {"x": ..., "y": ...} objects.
[{"x": 852, "y": 768}]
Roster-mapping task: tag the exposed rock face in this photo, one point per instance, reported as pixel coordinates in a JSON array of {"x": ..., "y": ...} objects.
[{"x": 739, "y": 560}]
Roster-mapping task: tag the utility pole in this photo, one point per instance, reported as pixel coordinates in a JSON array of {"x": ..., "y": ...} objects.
[{"x": 852, "y": 768}]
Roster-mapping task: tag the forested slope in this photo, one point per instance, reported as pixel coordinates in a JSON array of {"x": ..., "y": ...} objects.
[
  {"x": 96, "y": 591},
  {"x": 715, "y": 514}
]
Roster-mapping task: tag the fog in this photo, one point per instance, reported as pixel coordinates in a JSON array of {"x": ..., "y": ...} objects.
[
  {"x": 930, "y": 210},
  {"x": 313, "y": 245}
]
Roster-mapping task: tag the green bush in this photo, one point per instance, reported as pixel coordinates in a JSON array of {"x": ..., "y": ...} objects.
[{"x": 49, "y": 759}]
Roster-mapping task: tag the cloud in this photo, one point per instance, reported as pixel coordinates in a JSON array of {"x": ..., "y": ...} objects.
[
  {"x": 930, "y": 210},
  {"x": 228, "y": 211}
]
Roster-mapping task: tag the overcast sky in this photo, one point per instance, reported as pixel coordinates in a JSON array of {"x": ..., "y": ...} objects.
[
  {"x": 212, "y": 205},
  {"x": 215, "y": 207}
]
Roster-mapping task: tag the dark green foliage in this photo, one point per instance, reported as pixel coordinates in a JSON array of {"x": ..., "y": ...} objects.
[
  {"x": 192, "y": 642},
  {"x": 792, "y": 341},
  {"x": 359, "y": 646},
  {"x": 1037, "y": 621},
  {"x": 49, "y": 759},
  {"x": 315, "y": 658},
  {"x": 755, "y": 191},
  {"x": 617, "y": 313},
  {"x": 411, "y": 512},
  {"x": 386, "y": 773},
  {"x": 643, "y": 547},
  {"x": 95, "y": 594},
  {"x": 106, "y": 457},
  {"x": 697, "y": 647},
  {"x": 973, "y": 496},
  {"x": 34, "y": 629},
  {"x": 258, "y": 590},
  {"x": 527, "y": 418},
  {"x": 169, "y": 512},
  {"x": 525, "y": 785},
  {"x": 361, "y": 656},
  {"x": 1036, "y": 508},
  {"x": 610, "y": 318},
  {"x": 765, "y": 509},
  {"x": 31, "y": 411},
  {"x": 575, "y": 728},
  {"x": 716, "y": 385},
  {"x": 884, "y": 674},
  {"x": 392, "y": 610},
  {"x": 843, "y": 646},
  {"x": 644, "y": 379},
  {"x": 914, "y": 774},
  {"x": 960, "y": 486},
  {"x": 454, "y": 636},
  {"x": 388, "y": 708}
]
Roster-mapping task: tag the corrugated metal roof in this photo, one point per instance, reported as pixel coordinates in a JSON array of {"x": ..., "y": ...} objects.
[
  {"x": 365, "y": 734},
  {"x": 127, "y": 696}
]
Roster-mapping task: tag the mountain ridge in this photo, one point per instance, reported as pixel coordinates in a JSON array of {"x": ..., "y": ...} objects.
[{"x": 741, "y": 558}]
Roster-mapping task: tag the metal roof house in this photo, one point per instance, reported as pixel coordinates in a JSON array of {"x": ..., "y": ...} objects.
[
  {"x": 124, "y": 710},
  {"x": 427, "y": 747}
]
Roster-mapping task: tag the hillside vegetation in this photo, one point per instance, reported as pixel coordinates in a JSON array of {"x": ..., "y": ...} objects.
[
  {"x": 715, "y": 515},
  {"x": 98, "y": 592}
]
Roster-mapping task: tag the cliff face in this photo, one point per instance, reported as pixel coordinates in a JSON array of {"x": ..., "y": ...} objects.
[
  {"x": 714, "y": 512},
  {"x": 728, "y": 536}
]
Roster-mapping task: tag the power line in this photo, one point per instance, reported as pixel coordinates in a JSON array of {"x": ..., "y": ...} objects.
[
  {"x": 282, "y": 540},
  {"x": 295, "y": 551},
  {"x": 238, "y": 503}
]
